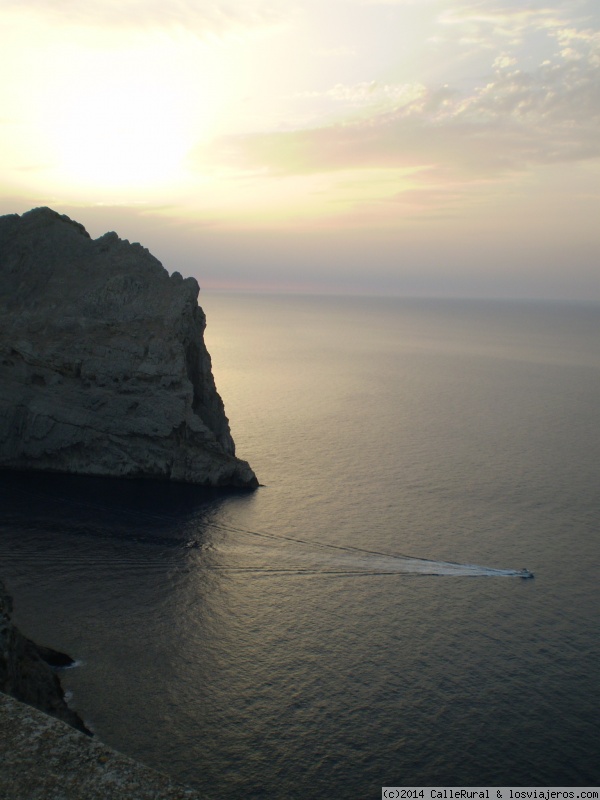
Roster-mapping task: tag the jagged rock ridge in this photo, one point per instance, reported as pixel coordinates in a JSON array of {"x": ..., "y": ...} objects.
[{"x": 103, "y": 365}]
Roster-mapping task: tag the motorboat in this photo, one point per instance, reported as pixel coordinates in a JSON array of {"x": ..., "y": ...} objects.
[{"x": 525, "y": 573}]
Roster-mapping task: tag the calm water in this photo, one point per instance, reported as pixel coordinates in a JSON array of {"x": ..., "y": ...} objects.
[{"x": 294, "y": 664}]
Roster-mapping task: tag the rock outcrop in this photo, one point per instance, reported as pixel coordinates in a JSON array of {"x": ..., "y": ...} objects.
[
  {"x": 25, "y": 671},
  {"x": 103, "y": 365},
  {"x": 41, "y": 758}
]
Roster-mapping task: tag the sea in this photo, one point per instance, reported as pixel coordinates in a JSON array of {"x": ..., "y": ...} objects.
[{"x": 360, "y": 620}]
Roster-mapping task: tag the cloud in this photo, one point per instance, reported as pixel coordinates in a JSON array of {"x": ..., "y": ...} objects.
[
  {"x": 517, "y": 119},
  {"x": 369, "y": 94},
  {"x": 504, "y": 61},
  {"x": 201, "y": 16},
  {"x": 579, "y": 44},
  {"x": 490, "y": 24},
  {"x": 509, "y": 21}
]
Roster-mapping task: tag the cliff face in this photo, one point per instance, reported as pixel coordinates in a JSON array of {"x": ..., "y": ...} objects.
[
  {"x": 25, "y": 672},
  {"x": 103, "y": 365}
]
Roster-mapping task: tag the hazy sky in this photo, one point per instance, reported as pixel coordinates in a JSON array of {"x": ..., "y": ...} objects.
[{"x": 386, "y": 146}]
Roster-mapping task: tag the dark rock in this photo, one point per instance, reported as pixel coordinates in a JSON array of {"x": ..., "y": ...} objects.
[
  {"x": 103, "y": 365},
  {"x": 25, "y": 673},
  {"x": 54, "y": 658}
]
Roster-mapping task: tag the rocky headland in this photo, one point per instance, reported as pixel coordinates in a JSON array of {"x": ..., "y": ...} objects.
[
  {"x": 27, "y": 670},
  {"x": 103, "y": 365},
  {"x": 44, "y": 754}
]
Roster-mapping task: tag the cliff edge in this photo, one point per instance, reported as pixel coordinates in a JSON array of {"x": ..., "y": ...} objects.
[
  {"x": 103, "y": 365},
  {"x": 26, "y": 672},
  {"x": 41, "y": 757}
]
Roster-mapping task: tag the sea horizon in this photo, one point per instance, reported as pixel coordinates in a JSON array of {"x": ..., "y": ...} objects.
[{"x": 308, "y": 639}]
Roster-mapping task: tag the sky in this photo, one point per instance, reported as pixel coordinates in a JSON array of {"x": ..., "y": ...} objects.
[{"x": 403, "y": 147}]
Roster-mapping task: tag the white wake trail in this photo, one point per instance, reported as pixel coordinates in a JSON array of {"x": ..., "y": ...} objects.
[
  {"x": 314, "y": 557},
  {"x": 331, "y": 558}
]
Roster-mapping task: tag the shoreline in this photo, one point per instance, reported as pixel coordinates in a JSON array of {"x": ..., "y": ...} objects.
[
  {"x": 46, "y": 750},
  {"x": 28, "y": 670}
]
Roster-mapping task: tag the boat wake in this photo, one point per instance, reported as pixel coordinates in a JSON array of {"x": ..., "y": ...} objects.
[
  {"x": 327, "y": 558},
  {"x": 262, "y": 552}
]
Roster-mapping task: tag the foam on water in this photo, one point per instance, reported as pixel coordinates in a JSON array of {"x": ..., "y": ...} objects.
[
  {"x": 349, "y": 559},
  {"x": 300, "y": 556}
]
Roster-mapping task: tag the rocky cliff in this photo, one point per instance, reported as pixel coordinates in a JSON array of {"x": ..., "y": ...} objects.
[
  {"x": 103, "y": 366},
  {"x": 26, "y": 669},
  {"x": 41, "y": 758}
]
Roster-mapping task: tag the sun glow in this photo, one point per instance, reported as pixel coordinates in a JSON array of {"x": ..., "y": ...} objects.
[
  {"x": 409, "y": 138},
  {"x": 112, "y": 121},
  {"x": 125, "y": 133}
]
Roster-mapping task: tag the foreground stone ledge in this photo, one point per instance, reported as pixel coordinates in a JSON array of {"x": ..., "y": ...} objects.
[{"x": 42, "y": 758}]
